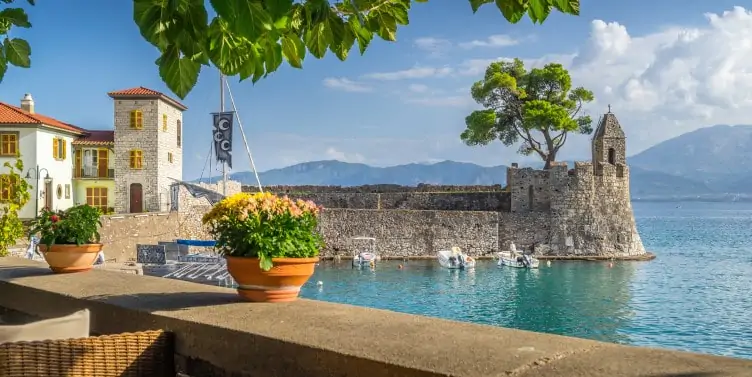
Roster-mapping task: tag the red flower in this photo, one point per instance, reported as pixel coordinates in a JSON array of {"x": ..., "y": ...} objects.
[{"x": 54, "y": 218}]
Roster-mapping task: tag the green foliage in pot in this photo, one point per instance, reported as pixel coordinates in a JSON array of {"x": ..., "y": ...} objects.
[
  {"x": 77, "y": 225},
  {"x": 265, "y": 226}
]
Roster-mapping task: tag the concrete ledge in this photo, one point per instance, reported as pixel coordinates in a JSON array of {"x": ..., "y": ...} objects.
[{"x": 219, "y": 336}]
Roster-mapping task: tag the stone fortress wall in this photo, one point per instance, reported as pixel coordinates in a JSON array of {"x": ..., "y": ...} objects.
[
  {"x": 584, "y": 211},
  {"x": 579, "y": 212}
]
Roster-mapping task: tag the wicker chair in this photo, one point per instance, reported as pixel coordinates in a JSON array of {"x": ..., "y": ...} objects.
[{"x": 139, "y": 354}]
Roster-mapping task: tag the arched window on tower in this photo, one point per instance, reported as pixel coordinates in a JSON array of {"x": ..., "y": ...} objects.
[{"x": 612, "y": 156}]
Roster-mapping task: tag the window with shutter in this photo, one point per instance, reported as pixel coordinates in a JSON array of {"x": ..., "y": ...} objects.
[
  {"x": 179, "y": 131},
  {"x": 137, "y": 119},
  {"x": 9, "y": 144},
  {"x": 137, "y": 161}
]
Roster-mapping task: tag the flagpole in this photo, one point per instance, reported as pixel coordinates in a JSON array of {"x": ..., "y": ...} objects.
[{"x": 222, "y": 109}]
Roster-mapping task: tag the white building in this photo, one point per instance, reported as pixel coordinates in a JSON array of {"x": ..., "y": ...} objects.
[{"x": 128, "y": 169}]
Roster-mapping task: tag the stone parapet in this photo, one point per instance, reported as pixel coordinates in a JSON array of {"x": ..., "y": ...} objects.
[{"x": 217, "y": 335}]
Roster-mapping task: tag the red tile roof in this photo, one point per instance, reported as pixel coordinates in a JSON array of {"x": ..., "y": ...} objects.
[
  {"x": 96, "y": 137},
  {"x": 10, "y": 114},
  {"x": 142, "y": 92}
]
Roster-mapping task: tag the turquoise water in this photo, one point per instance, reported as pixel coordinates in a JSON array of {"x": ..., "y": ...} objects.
[{"x": 696, "y": 296}]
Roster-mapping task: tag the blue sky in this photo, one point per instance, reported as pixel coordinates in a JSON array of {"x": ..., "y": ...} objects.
[{"x": 665, "y": 66}]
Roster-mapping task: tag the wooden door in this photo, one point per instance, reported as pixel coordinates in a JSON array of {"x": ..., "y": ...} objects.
[
  {"x": 103, "y": 164},
  {"x": 48, "y": 195},
  {"x": 137, "y": 198}
]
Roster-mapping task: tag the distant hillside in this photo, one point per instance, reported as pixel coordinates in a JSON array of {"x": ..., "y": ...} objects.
[
  {"x": 709, "y": 162},
  {"x": 719, "y": 157},
  {"x": 349, "y": 174}
]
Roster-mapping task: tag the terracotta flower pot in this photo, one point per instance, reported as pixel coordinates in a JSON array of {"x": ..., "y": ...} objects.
[
  {"x": 280, "y": 284},
  {"x": 70, "y": 258}
]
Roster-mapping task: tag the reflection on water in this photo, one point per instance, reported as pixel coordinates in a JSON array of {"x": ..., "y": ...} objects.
[
  {"x": 579, "y": 299},
  {"x": 695, "y": 296}
]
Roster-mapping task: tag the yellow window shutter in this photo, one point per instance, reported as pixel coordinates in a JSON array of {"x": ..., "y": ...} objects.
[
  {"x": 133, "y": 119},
  {"x": 54, "y": 148},
  {"x": 65, "y": 149}
]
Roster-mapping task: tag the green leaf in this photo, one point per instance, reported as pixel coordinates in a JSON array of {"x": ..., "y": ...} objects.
[
  {"x": 318, "y": 39},
  {"x": 249, "y": 66},
  {"x": 538, "y": 10},
  {"x": 16, "y": 16},
  {"x": 568, "y": 6},
  {"x": 272, "y": 56},
  {"x": 18, "y": 52},
  {"x": 383, "y": 24},
  {"x": 226, "y": 9},
  {"x": 251, "y": 20},
  {"x": 265, "y": 263},
  {"x": 399, "y": 13},
  {"x": 148, "y": 17},
  {"x": 342, "y": 50},
  {"x": 227, "y": 53},
  {"x": 194, "y": 19},
  {"x": 362, "y": 34},
  {"x": 513, "y": 10},
  {"x": 293, "y": 50},
  {"x": 475, "y": 4},
  {"x": 179, "y": 73},
  {"x": 3, "y": 65},
  {"x": 278, "y": 8}
]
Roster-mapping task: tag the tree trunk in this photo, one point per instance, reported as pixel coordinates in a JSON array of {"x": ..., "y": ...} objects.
[{"x": 551, "y": 157}]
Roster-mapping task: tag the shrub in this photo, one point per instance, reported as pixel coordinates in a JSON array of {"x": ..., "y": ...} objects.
[
  {"x": 76, "y": 225},
  {"x": 265, "y": 226},
  {"x": 16, "y": 193}
]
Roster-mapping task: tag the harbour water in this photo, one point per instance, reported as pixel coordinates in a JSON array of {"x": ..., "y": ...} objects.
[{"x": 696, "y": 296}]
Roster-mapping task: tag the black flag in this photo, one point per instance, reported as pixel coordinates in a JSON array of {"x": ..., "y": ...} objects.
[{"x": 223, "y": 136}]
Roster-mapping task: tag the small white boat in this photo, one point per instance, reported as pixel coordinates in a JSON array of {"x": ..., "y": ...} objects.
[
  {"x": 367, "y": 257},
  {"x": 455, "y": 259},
  {"x": 516, "y": 259}
]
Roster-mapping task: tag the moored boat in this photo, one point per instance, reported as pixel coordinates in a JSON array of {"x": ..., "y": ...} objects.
[
  {"x": 516, "y": 259},
  {"x": 455, "y": 259}
]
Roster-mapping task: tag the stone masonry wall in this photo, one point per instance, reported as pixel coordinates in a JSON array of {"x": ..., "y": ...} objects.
[
  {"x": 167, "y": 143},
  {"x": 121, "y": 233},
  {"x": 382, "y": 188},
  {"x": 447, "y": 201},
  {"x": 409, "y": 233},
  {"x": 145, "y": 140}
]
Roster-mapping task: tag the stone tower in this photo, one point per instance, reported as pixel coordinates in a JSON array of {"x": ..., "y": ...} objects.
[
  {"x": 609, "y": 143},
  {"x": 148, "y": 149}
]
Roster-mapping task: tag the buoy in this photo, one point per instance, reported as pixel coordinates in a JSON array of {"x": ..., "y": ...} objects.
[
  {"x": 399, "y": 267},
  {"x": 319, "y": 283},
  {"x": 610, "y": 264},
  {"x": 548, "y": 263}
]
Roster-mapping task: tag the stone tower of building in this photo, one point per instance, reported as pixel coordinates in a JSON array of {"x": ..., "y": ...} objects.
[
  {"x": 609, "y": 143},
  {"x": 148, "y": 149}
]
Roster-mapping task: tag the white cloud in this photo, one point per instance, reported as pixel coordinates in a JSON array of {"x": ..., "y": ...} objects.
[
  {"x": 434, "y": 46},
  {"x": 418, "y": 88},
  {"x": 416, "y": 72},
  {"x": 498, "y": 40},
  {"x": 454, "y": 101},
  {"x": 336, "y": 154},
  {"x": 661, "y": 84},
  {"x": 346, "y": 85}
]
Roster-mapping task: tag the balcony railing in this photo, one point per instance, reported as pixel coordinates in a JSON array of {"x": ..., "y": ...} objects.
[{"x": 92, "y": 172}]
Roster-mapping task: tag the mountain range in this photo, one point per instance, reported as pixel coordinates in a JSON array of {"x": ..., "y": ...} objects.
[{"x": 710, "y": 162}]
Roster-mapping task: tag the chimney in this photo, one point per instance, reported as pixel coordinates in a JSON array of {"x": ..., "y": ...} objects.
[{"x": 27, "y": 103}]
